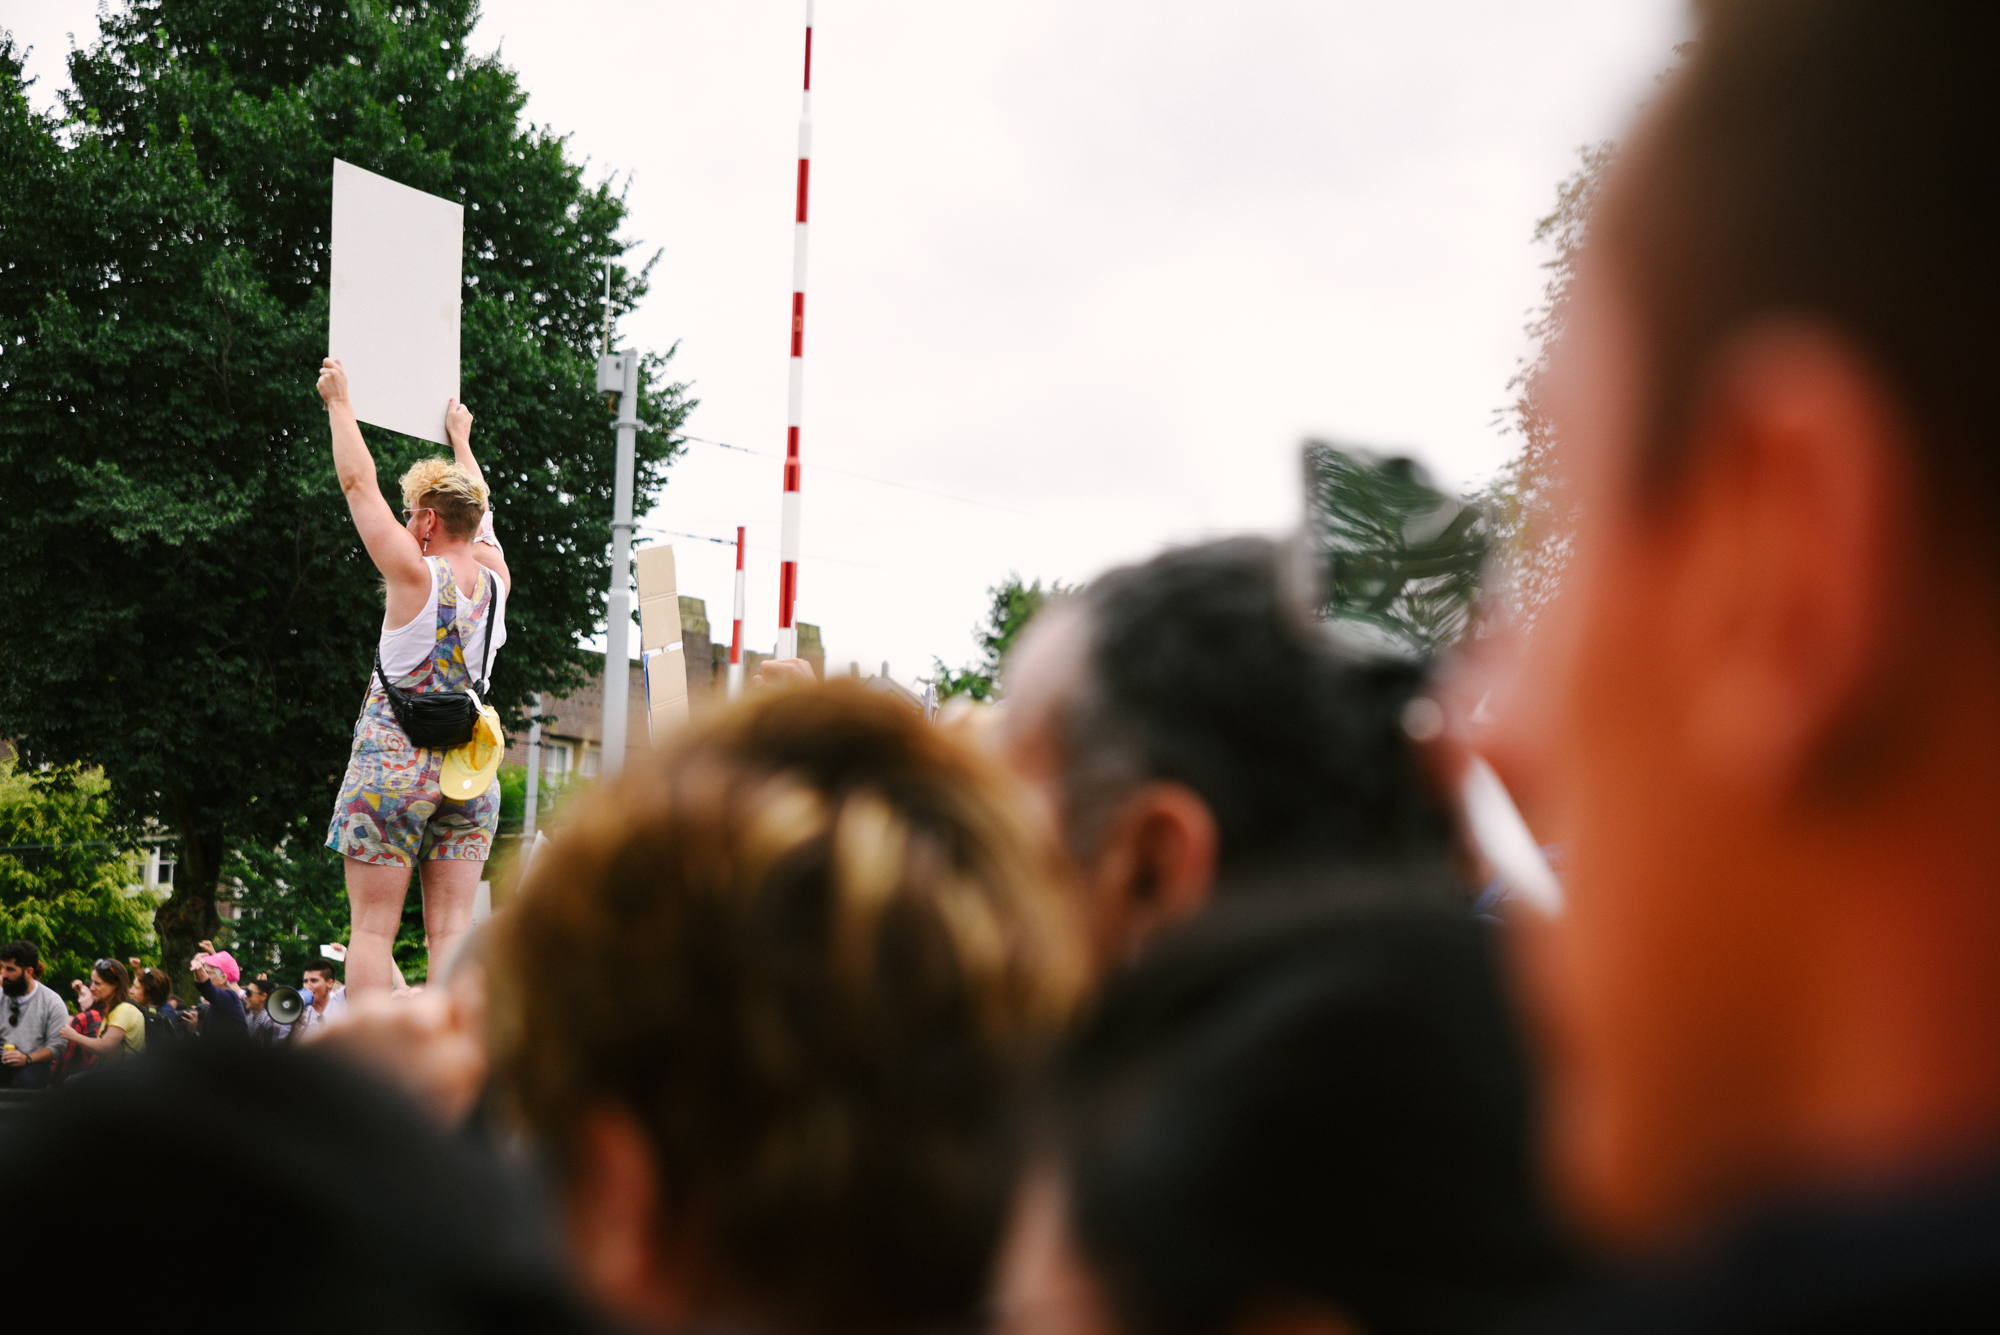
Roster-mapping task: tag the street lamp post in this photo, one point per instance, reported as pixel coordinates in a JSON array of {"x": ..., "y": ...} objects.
[{"x": 618, "y": 372}]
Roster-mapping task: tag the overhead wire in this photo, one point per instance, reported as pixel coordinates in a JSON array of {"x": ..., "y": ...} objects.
[
  {"x": 864, "y": 477},
  {"x": 755, "y": 547}
]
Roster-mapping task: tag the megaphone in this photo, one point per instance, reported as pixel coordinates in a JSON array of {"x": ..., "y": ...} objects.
[{"x": 286, "y": 1005}]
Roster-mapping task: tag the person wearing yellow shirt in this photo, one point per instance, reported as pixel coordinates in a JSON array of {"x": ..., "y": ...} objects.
[{"x": 124, "y": 1027}]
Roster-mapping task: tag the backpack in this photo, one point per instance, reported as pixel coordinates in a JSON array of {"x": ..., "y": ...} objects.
[{"x": 159, "y": 1027}]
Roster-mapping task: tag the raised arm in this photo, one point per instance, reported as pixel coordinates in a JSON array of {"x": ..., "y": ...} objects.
[
  {"x": 395, "y": 553},
  {"x": 485, "y": 547},
  {"x": 458, "y": 430}
]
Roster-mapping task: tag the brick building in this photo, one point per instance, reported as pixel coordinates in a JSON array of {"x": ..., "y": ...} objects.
[{"x": 573, "y": 739}]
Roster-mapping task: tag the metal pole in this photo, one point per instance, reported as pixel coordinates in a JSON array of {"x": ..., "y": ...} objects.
[
  {"x": 735, "y": 683},
  {"x": 607, "y": 308},
  {"x": 788, "y": 538},
  {"x": 534, "y": 774},
  {"x": 619, "y": 370}
]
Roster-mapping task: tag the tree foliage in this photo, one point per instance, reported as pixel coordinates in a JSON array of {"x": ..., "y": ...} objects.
[
  {"x": 1014, "y": 605},
  {"x": 64, "y": 868},
  {"x": 183, "y": 600},
  {"x": 1532, "y": 514},
  {"x": 1400, "y": 560},
  {"x": 290, "y": 898},
  {"x": 550, "y": 792}
]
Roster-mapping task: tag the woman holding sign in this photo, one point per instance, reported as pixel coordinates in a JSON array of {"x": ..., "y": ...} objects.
[{"x": 418, "y": 789}]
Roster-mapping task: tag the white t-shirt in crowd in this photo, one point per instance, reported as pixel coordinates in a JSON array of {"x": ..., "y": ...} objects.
[{"x": 336, "y": 1006}]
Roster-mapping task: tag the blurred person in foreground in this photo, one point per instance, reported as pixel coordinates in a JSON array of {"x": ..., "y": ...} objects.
[
  {"x": 1194, "y": 733},
  {"x": 373, "y": 1219},
  {"x": 1295, "y": 1115},
  {"x": 429, "y": 1041},
  {"x": 1762, "y": 710},
  {"x": 34, "y": 1023},
  {"x": 765, "y": 997}
]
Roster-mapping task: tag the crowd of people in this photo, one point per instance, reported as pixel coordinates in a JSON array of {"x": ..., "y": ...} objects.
[
  {"x": 123, "y": 1008},
  {"x": 1154, "y": 1001}
]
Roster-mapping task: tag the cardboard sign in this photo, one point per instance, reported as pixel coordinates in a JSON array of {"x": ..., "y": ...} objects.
[
  {"x": 666, "y": 690},
  {"x": 660, "y": 640},
  {"x": 396, "y": 261},
  {"x": 659, "y": 602}
]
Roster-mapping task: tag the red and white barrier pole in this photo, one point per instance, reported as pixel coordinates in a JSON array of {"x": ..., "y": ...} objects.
[
  {"x": 735, "y": 682},
  {"x": 788, "y": 538}
]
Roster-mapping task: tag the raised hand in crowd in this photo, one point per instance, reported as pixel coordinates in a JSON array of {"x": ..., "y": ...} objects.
[{"x": 784, "y": 672}]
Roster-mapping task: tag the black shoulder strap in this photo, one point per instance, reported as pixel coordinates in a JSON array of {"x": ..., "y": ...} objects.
[
  {"x": 395, "y": 693},
  {"x": 485, "y": 648}
]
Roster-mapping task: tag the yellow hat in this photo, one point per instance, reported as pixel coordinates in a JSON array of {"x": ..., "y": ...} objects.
[{"x": 469, "y": 769}]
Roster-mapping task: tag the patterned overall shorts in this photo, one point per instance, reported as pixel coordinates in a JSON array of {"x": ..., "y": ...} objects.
[{"x": 391, "y": 810}]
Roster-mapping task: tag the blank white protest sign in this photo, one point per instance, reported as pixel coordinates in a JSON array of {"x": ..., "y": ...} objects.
[{"x": 396, "y": 263}]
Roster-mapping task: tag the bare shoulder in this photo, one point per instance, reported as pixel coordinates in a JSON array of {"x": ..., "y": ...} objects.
[
  {"x": 490, "y": 558},
  {"x": 407, "y": 590}
]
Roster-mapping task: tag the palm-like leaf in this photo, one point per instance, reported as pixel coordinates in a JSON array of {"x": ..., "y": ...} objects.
[{"x": 1398, "y": 557}]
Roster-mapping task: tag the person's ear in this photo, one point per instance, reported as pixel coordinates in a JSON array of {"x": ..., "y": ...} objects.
[
  {"x": 615, "y": 1218},
  {"x": 1155, "y": 866},
  {"x": 1793, "y": 530}
]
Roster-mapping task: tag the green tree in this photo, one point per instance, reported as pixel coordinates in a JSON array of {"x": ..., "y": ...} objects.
[
  {"x": 1400, "y": 559},
  {"x": 183, "y": 601},
  {"x": 291, "y": 897},
  {"x": 64, "y": 868},
  {"x": 513, "y": 781},
  {"x": 1531, "y": 512},
  {"x": 1014, "y": 605}
]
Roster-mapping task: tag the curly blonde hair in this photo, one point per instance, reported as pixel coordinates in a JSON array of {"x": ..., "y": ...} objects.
[{"x": 440, "y": 484}]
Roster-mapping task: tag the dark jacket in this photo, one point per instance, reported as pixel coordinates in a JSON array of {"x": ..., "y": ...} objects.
[
  {"x": 1924, "y": 1259},
  {"x": 225, "y": 1018}
]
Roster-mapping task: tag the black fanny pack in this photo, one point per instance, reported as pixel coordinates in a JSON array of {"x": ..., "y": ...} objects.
[{"x": 438, "y": 720}]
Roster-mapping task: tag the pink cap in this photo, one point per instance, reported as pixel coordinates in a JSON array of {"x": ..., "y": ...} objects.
[{"x": 224, "y": 961}]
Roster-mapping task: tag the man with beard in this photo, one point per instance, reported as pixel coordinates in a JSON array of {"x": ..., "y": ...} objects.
[{"x": 33, "y": 1020}]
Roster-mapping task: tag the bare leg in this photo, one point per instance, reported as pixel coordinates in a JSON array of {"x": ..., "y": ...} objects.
[
  {"x": 450, "y": 886},
  {"x": 375, "y": 895}
]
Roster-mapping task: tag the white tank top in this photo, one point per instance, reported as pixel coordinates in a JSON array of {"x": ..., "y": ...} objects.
[{"x": 405, "y": 648}]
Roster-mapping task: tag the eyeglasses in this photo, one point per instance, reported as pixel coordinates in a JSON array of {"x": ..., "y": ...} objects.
[
  {"x": 409, "y": 514},
  {"x": 13, "y": 1013},
  {"x": 105, "y": 966}
]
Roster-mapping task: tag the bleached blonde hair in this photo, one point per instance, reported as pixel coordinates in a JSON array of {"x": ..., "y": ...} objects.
[{"x": 439, "y": 484}]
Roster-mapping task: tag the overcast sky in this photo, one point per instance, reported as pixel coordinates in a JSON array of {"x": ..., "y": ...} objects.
[{"x": 1098, "y": 266}]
